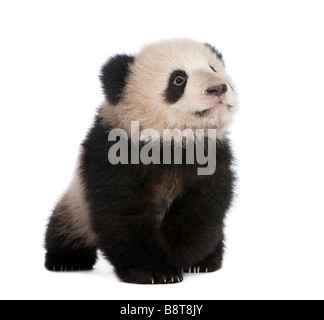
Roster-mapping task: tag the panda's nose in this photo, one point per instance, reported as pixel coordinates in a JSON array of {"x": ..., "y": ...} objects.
[{"x": 217, "y": 90}]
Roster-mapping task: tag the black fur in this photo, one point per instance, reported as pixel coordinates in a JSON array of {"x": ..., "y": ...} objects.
[
  {"x": 125, "y": 213},
  {"x": 63, "y": 253},
  {"x": 216, "y": 52},
  {"x": 173, "y": 93},
  {"x": 113, "y": 76}
]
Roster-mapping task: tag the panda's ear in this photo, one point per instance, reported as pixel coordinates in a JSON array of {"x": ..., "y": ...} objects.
[
  {"x": 216, "y": 52},
  {"x": 113, "y": 77}
]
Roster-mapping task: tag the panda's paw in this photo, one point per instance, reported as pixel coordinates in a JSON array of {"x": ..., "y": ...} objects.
[
  {"x": 210, "y": 264},
  {"x": 151, "y": 274},
  {"x": 65, "y": 263}
]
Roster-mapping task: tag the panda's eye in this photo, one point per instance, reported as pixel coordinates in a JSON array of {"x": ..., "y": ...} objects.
[
  {"x": 179, "y": 81},
  {"x": 213, "y": 69}
]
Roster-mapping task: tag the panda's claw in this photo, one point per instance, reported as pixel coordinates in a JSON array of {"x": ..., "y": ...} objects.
[{"x": 151, "y": 274}]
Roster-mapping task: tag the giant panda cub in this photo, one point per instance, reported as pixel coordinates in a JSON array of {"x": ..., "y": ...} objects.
[{"x": 152, "y": 221}]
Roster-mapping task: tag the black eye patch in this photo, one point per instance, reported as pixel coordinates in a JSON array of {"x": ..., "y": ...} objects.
[{"x": 176, "y": 88}]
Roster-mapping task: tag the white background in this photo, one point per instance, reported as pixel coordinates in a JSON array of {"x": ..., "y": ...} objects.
[{"x": 51, "y": 52}]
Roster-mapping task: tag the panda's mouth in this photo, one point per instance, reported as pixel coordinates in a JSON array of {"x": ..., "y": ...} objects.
[{"x": 208, "y": 111}]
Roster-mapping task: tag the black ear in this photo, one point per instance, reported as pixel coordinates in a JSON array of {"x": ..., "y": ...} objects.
[
  {"x": 113, "y": 76},
  {"x": 216, "y": 52}
]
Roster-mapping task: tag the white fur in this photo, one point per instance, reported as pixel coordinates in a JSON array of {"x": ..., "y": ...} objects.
[
  {"x": 144, "y": 96},
  {"x": 75, "y": 214}
]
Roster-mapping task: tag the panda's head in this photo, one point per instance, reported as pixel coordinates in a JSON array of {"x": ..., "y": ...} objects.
[{"x": 173, "y": 84}]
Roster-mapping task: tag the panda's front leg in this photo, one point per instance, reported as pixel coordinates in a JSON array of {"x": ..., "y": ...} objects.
[
  {"x": 136, "y": 248},
  {"x": 211, "y": 263},
  {"x": 193, "y": 229}
]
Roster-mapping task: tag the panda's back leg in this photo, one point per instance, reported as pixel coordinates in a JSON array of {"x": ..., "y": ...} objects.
[{"x": 69, "y": 242}]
